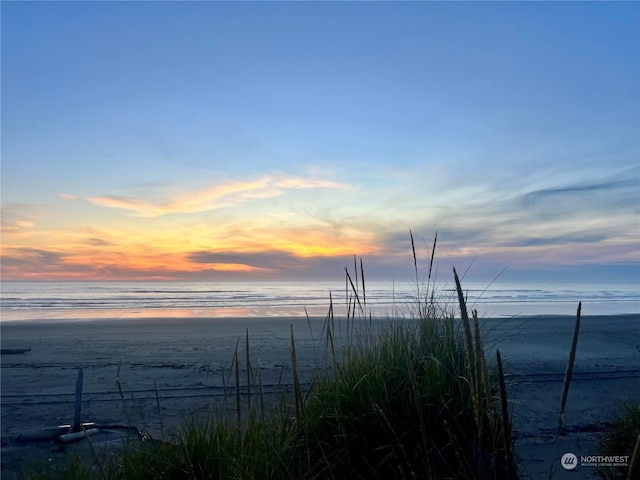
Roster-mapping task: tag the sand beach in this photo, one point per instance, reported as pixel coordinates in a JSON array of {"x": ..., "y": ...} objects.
[{"x": 183, "y": 365}]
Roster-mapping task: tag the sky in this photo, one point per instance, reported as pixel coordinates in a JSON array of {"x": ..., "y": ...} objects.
[{"x": 274, "y": 141}]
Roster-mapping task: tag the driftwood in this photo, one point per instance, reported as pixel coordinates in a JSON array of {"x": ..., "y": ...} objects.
[{"x": 14, "y": 351}]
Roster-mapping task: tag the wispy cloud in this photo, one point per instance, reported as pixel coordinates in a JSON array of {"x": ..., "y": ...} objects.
[
  {"x": 31, "y": 256},
  {"x": 625, "y": 187},
  {"x": 68, "y": 196},
  {"x": 565, "y": 219},
  {"x": 98, "y": 242},
  {"x": 220, "y": 195},
  {"x": 17, "y": 217}
]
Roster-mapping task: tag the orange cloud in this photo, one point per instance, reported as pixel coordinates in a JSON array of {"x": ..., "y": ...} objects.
[
  {"x": 163, "y": 248},
  {"x": 215, "y": 197},
  {"x": 235, "y": 267}
]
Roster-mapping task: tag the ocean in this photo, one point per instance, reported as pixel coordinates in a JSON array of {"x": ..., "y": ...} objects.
[{"x": 103, "y": 300}]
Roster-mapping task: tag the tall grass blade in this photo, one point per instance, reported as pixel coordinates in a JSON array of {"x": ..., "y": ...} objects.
[
  {"x": 481, "y": 359},
  {"x": 634, "y": 466},
  {"x": 329, "y": 344},
  {"x": 481, "y": 385},
  {"x": 206, "y": 377},
  {"x": 124, "y": 402},
  {"x": 433, "y": 251},
  {"x": 465, "y": 319},
  {"x": 155, "y": 387},
  {"x": 224, "y": 389},
  {"x": 495, "y": 279},
  {"x": 308, "y": 322},
  {"x": 354, "y": 290},
  {"x": 466, "y": 270},
  {"x": 238, "y": 403},
  {"x": 296, "y": 381},
  {"x": 233, "y": 360},
  {"x": 415, "y": 259},
  {"x": 280, "y": 376},
  {"x": 347, "y": 297},
  {"x": 364, "y": 291},
  {"x": 355, "y": 269},
  {"x": 261, "y": 390},
  {"x": 103, "y": 472},
  {"x": 248, "y": 370},
  {"x": 504, "y": 415}
]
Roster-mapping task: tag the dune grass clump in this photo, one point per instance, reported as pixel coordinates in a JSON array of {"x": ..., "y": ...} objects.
[
  {"x": 417, "y": 401},
  {"x": 413, "y": 400},
  {"x": 398, "y": 408}
]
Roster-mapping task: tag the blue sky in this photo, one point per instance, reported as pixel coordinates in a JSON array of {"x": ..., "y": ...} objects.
[{"x": 212, "y": 140}]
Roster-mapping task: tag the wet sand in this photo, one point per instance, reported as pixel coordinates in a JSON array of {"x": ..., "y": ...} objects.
[{"x": 187, "y": 362}]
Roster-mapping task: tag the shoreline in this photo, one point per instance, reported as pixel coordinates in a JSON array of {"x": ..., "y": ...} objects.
[{"x": 147, "y": 320}]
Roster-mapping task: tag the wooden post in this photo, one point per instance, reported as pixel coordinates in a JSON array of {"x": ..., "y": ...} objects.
[{"x": 77, "y": 418}]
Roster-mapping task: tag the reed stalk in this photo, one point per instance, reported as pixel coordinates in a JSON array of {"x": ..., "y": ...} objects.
[
  {"x": 238, "y": 403},
  {"x": 329, "y": 343},
  {"x": 261, "y": 387},
  {"x": 364, "y": 290},
  {"x": 481, "y": 361},
  {"x": 415, "y": 261},
  {"x": 306, "y": 314},
  {"x": 504, "y": 412},
  {"x": 465, "y": 320},
  {"x": 299, "y": 402},
  {"x": 565, "y": 385},
  {"x": 155, "y": 387},
  {"x": 634, "y": 465},
  {"x": 124, "y": 402},
  {"x": 355, "y": 292},
  {"x": 92, "y": 446},
  {"x": 433, "y": 251},
  {"x": 481, "y": 384},
  {"x": 225, "y": 387},
  {"x": 355, "y": 269},
  {"x": 248, "y": 359}
]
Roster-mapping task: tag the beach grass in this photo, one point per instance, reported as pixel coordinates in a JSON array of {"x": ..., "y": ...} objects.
[
  {"x": 412, "y": 398},
  {"x": 72, "y": 467},
  {"x": 218, "y": 449},
  {"x": 622, "y": 438}
]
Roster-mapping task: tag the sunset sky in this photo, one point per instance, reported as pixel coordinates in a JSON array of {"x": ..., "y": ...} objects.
[{"x": 257, "y": 141}]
